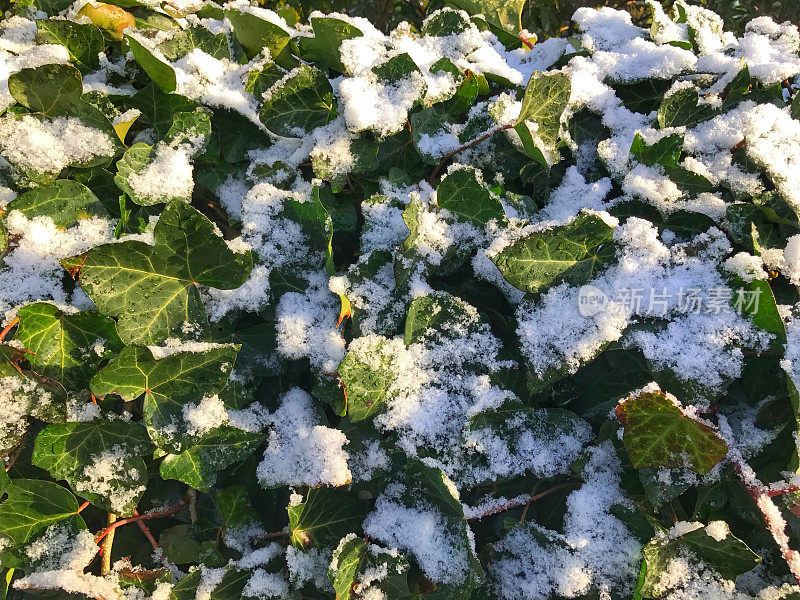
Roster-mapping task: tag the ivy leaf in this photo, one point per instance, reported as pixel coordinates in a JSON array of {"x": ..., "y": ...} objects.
[
  {"x": 503, "y": 14},
  {"x": 683, "y": 108},
  {"x": 158, "y": 108},
  {"x": 463, "y": 194},
  {"x": 444, "y": 23},
  {"x": 136, "y": 158},
  {"x": 66, "y": 347},
  {"x": 729, "y": 556},
  {"x": 73, "y": 451},
  {"x": 31, "y": 506},
  {"x": 642, "y": 96},
  {"x": 168, "y": 384},
  {"x": 325, "y": 517},
  {"x": 255, "y": 33},
  {"x": 48, "y": 89},
  {"x": 433, "y": 316},
  {"x": 66, "y": 202},
  {"x": 162, "y": 73},
  {"x": 83, "y": 41},
  {"x": 539, "y": 121},
  {"x": 316, "y": 222},
  {"x": 195, "y": 37},
  {"x": 235, "y": 506},
  {"x": 353, "y": 560},
  {"x": 665, "y": 152},
  {"x": 427, "y": 123},
  {"x": 197, "y": 466},
  {"x": 574, "y": 253},
  {"x": 366, "y": 377},
  {"x": 295, "y": 106},
  {"x": 756, "y": 300},
  {"x": 658, "y": 434},
  {"x": 329, "y": 33},
  {"x": 152, "y": 290}
]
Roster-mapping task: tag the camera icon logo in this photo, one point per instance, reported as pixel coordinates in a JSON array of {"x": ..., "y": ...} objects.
[{"x": 591, "y": 300}]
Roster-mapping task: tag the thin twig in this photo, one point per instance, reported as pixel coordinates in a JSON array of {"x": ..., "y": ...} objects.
[
  {"x": 269, "y": 536},
  {"x": 470, "y": 144},
  {"x": 17, "y": 452},
  {"x": 523, "y": 502},
  {"x": 167, "y": 512},
  {"x": 762, "y": 498},
  {"x": 146, "y": 531},
  {"x": 105, "y": 565}
]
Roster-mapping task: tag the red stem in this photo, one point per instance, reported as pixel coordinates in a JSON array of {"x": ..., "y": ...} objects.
[
  {"x": 470, "y": 144},
  {"x": 167, "y": 512},
  {"x": 526, "y": 502},
  {"x": 146, "y": 531},
  {"x": 84, "y": 505},
  {"x": 8, "y": 328}
]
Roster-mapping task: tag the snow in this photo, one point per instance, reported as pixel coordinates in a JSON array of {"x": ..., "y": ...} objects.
[
  {"x": 167, "y": 175},
  {"x": 421, "y": 530},
  {"x": 300, "y": 451},
  {"x": 47, "y": 146}
]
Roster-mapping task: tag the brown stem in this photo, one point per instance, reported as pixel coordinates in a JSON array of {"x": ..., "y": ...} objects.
[
  {"x": 470, "y": 144},
  {"x": 105, "y": 565},
  {"x": 17, "y": 452},
  {"x": 167, "y": 512},
  {"x": 269, "y": 536},
  {"x": 8, "y": 328},
  {"x": 525, "y": 502},
  {"x": 146, "y": 531}
]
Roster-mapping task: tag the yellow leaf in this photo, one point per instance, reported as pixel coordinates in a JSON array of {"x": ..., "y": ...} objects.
[
  {"x": 108, "y": 17},
  {"x": 123, "y": 127},
  {"x": 345, "y": 311}
]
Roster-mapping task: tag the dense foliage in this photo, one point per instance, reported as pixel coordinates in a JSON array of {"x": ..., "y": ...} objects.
[{"x": 302, "y": 309}]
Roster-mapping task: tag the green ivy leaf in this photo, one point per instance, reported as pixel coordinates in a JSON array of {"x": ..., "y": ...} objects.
[
  {"x": 642, "y": 96},
  {"x": 158, "y": 108},
  {"x": 366, "y": 380},
  {"x": 730, "y": 557},
  {"x": 68, "y": 347},
  {"x": 196, "y": 37},
  {"x": 255, "y": 34},
  {"x": 197, "y": 466},
  {"x": 665, "y": 152},
  {"x": 162, "y": 73},
  {"x": 66, "y": 202},
  {"x": 503, "y": 14},
  {"x": 325, "y": 517},
  {"x": 168, "y": 384},
  {"x": 31, "y": 506},
  {"x": 546, "y": 98},
  {"x": 299, "y": 104},
  {"x": 83, "y": 41},
  {"x": 658, "y": 434},
  {"x": 574, "y": 253},
  {"x": 49, "y": 89},
  {"x": 69, "y": 451},
  {"x": 152, "y": 290},
  {"x": 464, "y": 195},
  {"x": 323, "y": 48},
  {"x": 683, "y": 108},
  {"x": 353, "y": 561}
]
